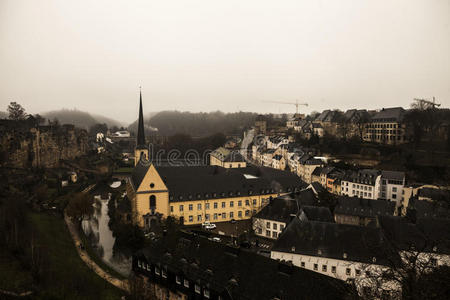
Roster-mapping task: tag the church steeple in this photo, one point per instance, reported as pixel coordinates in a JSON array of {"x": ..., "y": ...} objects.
[
  {"x": 141, "y": 151},
  {"x": 140, "y": 143}
]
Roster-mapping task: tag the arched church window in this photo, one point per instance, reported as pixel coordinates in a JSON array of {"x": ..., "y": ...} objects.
[{"x": 152, "y": 201}]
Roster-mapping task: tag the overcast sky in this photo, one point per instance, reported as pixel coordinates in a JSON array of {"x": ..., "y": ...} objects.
[{"x": 222, "y": 54}]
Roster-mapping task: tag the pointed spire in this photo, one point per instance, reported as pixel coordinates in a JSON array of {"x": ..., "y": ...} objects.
[{"x": 141, "y": 135}]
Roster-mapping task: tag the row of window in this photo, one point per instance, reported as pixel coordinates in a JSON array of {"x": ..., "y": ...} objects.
[
  {"x": 223, "y": 194},
  {"x": 383, "y": 126},
  {"x": 178, "y": 279},
  {"x": 385, "y": 131},
  {"x": 362, "y": 187},
  {"x": 383, "y": 137},
  {"x": 274, "y": 226},
  {"x": 216, "y": 204},
  {"x": 222, "y": 215},
  {"x": 362, "y": 194},
  {"x": 348, "y": 271}
]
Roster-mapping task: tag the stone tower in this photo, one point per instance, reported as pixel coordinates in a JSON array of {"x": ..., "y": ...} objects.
[{"x": 141, "y": 150}]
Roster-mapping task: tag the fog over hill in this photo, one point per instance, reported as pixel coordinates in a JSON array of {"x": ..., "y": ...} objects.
[
  {"x": 197, "y": 124},
  {"x": 80, "y": 118}
]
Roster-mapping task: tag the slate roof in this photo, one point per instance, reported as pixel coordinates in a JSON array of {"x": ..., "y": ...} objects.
[
  {"x": 317, "y": 187},
  {"x": 305, "y": 197},
  {"x": 332, "y": 240},
  {"x": 209, "y": 182},
  {"x": 138, "y": 173},
  {"x": 363, "y": 176},
  {"x": 394, "y": 114},
  {"x": 426, "y": 235},
  {"x": 279, "y": 209},
  {"x": 323, "y": 115},
  {"x": 318, "y": 213},
  {"x": 393, "y": 175},
  {"x": 354, "y": 115},
  {"x": 353, "y": 206},
  {"x": 427, "y": 209},
  {"x": 332, "y": 116},
  {"x": 236, "y": 273}
]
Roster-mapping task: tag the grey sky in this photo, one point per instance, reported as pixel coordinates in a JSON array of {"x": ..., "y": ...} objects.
[{"x": 222, "y": 55}]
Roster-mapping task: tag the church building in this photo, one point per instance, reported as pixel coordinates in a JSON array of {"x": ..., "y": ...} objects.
[{"x": 195, "y": 194}]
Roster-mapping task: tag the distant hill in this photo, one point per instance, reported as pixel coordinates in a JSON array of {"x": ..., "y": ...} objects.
[
  {"x": 197, "y": 124},
  {"x": 79, "y": 118}
]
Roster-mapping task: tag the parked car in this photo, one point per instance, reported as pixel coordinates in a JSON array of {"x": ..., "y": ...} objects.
[
  {"x": 209, "y": 226},
  {"x": 233, "y": 221}
]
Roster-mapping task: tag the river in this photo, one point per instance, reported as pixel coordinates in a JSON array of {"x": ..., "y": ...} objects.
[{"x": 102, "y": 240}]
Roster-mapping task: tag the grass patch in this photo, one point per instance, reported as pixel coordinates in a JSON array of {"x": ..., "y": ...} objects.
[
  {"x": 13, "y": 277},
  {"x": 67, "y": 276}
]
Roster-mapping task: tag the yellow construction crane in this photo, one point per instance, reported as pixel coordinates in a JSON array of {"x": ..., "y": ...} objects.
[{"x": 291, "y": 103}]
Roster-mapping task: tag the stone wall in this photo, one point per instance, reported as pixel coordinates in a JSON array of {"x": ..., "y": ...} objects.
[{"x": 24, "y": 145}]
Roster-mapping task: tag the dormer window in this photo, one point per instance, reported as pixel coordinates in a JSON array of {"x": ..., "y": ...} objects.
[{"x": 190, "y": 197}]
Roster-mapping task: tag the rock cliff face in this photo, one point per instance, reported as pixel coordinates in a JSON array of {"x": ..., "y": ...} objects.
[{"x": 24, "y": 145}]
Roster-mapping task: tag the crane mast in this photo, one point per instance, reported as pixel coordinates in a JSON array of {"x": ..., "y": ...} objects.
[{"x": 296, "y": 103}]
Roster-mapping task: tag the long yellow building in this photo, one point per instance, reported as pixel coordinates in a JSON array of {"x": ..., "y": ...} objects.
[{"x": 195, "y": 194}]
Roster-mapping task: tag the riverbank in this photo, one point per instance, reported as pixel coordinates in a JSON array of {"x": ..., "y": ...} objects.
[{"x": 121, "y": 284}]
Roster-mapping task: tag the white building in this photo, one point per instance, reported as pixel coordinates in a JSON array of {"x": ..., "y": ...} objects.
[
  {"x": 270, "y": 221},
  {"x": 365, "y": 183},
  {"x": 348, "y": 252},
  {"x": 392, "y": 184}
]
